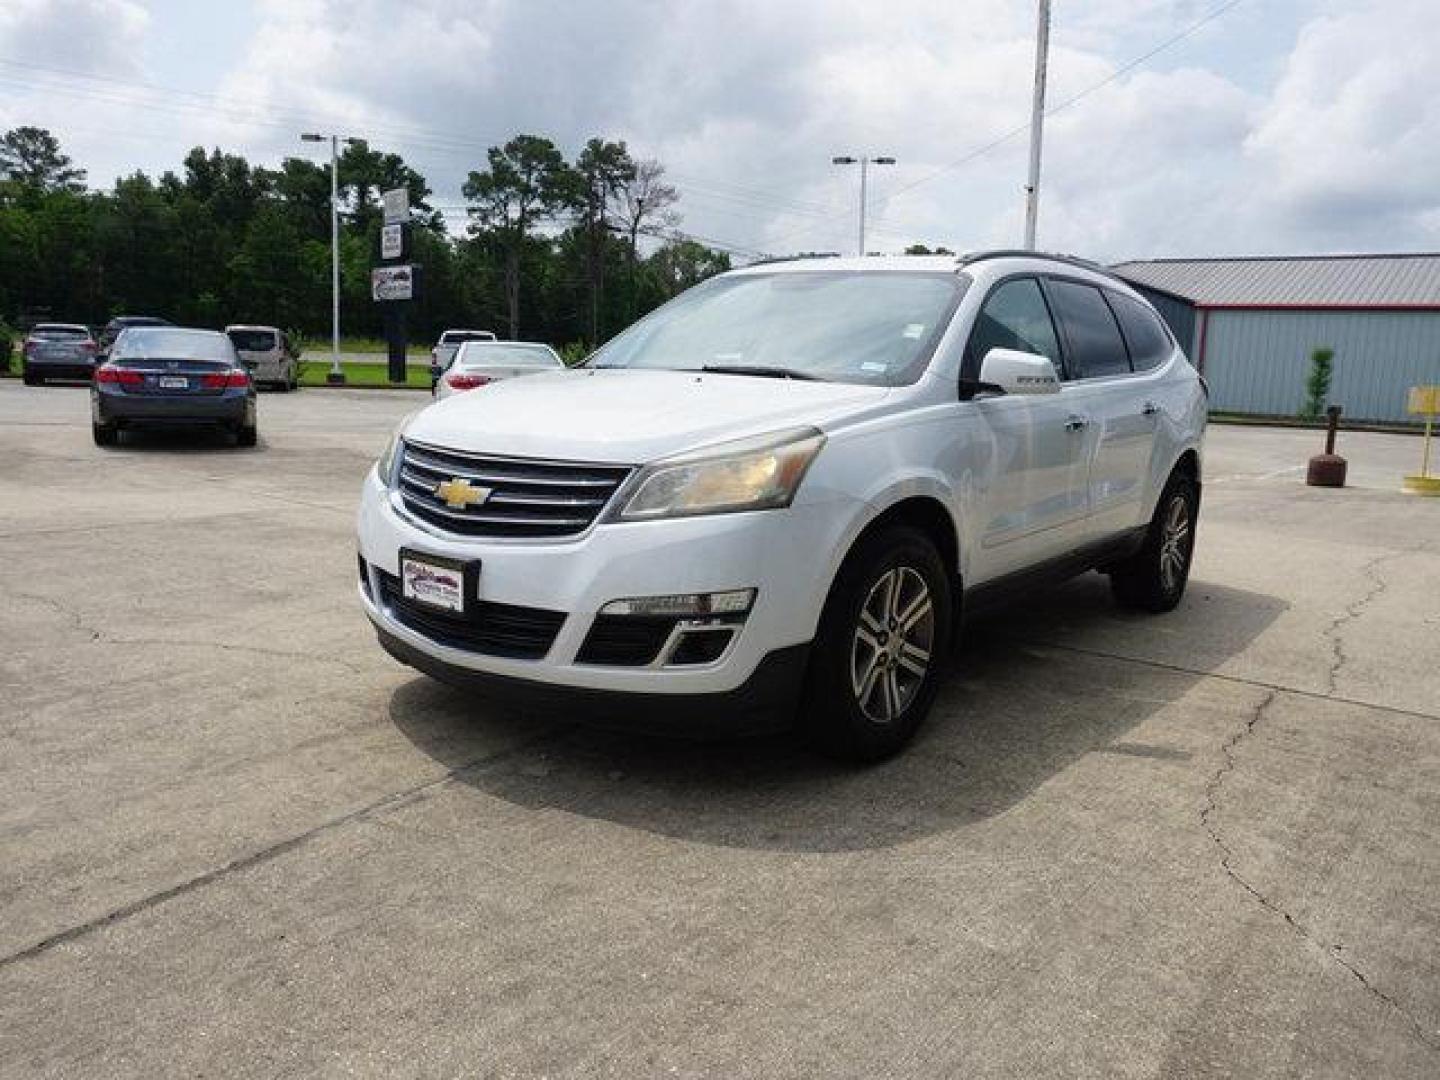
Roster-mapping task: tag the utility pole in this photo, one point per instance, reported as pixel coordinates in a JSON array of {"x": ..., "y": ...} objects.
[
  {"x": 1037, "y": 122},
  {"x": 864, "y": 163},
  {"x": 337, "y": 374}
]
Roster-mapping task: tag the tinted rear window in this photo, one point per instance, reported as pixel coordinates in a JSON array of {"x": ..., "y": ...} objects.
[
  {"x": 59, "y": 333},
  {"x": 253, "y": 340},
  {"x": 138, "y": 344},
  {"x": 1146, "y": 335},
  {"x": 458, "y": 337},
  {"x": 1096, "y": 347}
]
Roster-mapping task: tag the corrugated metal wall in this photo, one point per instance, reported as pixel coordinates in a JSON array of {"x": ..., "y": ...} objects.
[{"x": 1258, "y": 361}]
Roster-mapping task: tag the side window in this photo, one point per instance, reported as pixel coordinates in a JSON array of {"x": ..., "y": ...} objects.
[
  {"x": 1149, "y": 341},
  {"x": 1014, "y": 316},
  {"x": 1096, "y": 347}
]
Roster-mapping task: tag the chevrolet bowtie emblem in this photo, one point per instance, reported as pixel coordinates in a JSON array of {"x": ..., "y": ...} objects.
[{"x": 459, "y": 494}]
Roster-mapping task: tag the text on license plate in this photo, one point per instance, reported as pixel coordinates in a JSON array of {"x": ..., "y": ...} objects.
[
  {"x": 431, "y": 583},
  {"x": 173, "y": 382}
]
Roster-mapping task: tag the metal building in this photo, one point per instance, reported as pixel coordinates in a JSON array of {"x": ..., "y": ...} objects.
[{"x": 1251, "y": 324}]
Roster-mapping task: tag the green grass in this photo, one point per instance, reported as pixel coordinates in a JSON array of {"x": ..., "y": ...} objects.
[{"x": 363, "y": 374}]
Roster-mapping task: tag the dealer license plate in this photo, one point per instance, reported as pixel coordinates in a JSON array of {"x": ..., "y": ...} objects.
[{"x": 436, "y": 582}]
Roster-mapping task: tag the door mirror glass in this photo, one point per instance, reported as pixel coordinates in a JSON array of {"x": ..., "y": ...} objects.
[{"x": 1013, "y": 372}]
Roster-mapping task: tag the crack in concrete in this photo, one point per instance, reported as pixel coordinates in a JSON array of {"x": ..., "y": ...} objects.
[
  {"x": 393, "y": 800},
  {"x": 1207, "y": 816},
  {"x": 1352, "y": 612},
  {"x": 100, "y": 637}
]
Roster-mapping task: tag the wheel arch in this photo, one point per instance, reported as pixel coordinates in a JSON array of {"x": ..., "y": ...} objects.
[{"x": 929, "y": 515}]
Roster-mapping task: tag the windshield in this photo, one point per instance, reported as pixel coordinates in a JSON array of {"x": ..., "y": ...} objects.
[
  {"x": 487, "y": 354},
  {"x": 147, "y": 343},
  {"x": 456, "y": 337},
  {"x": 59, "y": 333},
  {"x": 868, "y": 327},
  {"x": 253, "y": 340}
]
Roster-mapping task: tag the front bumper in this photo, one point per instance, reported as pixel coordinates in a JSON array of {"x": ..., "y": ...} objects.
[{"x": 783, "y": 555}]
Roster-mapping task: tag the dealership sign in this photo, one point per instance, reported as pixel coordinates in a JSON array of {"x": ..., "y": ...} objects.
[
  {"x": 396, "y": 203},
  {"x": 392, "y": 283},
  {"x": 392, "y": 241}
]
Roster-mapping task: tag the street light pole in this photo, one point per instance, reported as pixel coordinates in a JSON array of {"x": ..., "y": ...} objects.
[
  {"x": 864, "y": 163},
  {"x": 1037, "y": 122},
  {"x": 337, "y": 375}
]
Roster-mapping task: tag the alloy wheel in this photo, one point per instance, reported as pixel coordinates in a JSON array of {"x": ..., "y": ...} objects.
[
  {"x": 1174, "y": 544},
  {"x": 890, "y": 654}
]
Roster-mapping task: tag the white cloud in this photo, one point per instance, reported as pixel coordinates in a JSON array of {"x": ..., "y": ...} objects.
[{"x": 1292, "y": 125}]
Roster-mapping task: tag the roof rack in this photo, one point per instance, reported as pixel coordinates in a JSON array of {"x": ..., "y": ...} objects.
[{"x": 970, "y": 257}]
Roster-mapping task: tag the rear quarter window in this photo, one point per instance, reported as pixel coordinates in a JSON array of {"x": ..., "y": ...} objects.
[{"x": 1150, "y": 342}]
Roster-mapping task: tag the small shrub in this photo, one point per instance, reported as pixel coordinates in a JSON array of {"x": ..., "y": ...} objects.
[
  {"x": 573, "y": 352},
  {"x": 1317, "y": 385},
  {"x": 7, "y": 345}
]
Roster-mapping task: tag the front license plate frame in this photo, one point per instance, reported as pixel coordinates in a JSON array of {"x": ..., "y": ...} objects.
[{"x": 439, "y": 582}]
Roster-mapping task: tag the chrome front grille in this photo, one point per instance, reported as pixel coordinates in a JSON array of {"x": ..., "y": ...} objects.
[{"x": 522, "y": 497}]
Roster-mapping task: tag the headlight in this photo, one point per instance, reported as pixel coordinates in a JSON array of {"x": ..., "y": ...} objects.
[
  {"x": 750, "y": 474},
  {"x": 385, "y": 467}
]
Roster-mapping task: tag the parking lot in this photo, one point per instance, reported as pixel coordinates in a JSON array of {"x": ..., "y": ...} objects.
[{"x": 237, "y": 839}]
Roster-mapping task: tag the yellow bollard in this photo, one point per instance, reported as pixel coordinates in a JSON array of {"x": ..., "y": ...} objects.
[{"x": 1424, "y": 401}]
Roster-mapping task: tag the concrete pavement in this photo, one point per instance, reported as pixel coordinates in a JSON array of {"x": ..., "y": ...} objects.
[{"x": 236, "y": 839}]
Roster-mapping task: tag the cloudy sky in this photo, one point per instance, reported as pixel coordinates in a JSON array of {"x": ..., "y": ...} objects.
[{"x": 1272, "y": 126}]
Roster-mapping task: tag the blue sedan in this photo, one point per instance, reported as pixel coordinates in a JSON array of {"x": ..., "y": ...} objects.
[{"x": 170, "y": 375}]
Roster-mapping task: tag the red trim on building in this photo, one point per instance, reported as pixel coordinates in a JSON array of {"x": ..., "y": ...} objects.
[{"x": 1433, "y": 308}]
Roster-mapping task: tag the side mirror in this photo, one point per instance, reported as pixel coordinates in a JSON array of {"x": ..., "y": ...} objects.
[{"x": 1013, "y": 372}]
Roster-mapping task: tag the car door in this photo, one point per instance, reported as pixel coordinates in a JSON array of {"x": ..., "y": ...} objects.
[
  {"x": 1031, "y": 496},
  {"x": 1104, "y": 392}
]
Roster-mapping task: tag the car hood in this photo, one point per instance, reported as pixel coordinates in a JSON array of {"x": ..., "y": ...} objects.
[{"x": 630, "y": 417}]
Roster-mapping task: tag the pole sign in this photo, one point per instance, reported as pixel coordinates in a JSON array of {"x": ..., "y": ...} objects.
[
  {"x": 392, "y": 241},
  {"x": 392, "y": 283},
  {"x": 396, "y": 204}
]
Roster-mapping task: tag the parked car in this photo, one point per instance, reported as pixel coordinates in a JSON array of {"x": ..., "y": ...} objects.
[
  {"x": 267, "y": 354},
  {"x": 57, "y": 351},
  {"x": 170, "y": 375},
  {"x": 769, "y": 499},
  {"x": 443, "y": 353},
  {"x": 122, "y": 322},
  {"x": 480, "y": 363}
]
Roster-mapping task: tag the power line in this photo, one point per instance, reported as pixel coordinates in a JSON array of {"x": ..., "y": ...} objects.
[{"x": 1022, "y": 129}]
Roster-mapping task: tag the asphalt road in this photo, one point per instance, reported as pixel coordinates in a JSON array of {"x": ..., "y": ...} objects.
[{"x": 237, "y": 840}]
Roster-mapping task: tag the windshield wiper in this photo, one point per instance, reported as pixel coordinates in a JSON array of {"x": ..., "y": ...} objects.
[{"x": 761, "y": 370}]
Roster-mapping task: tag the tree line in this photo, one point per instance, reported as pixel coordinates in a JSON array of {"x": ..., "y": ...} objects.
[{"x": 554, "y": 250}]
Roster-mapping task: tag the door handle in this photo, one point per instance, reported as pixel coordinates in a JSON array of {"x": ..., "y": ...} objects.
[
  {"x": 1076, "y": 423},
  {"x": 1150, "y": 409}
]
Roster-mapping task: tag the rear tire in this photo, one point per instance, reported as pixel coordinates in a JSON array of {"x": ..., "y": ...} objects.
[
  {"x": 31, "y": 379},
  {"x": 882, "y": 642},
  {"x": 1154, "y": 578},
  {"x": 105, "y": 434}
]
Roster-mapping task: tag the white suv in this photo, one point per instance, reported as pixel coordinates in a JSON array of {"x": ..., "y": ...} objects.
[{"x": 771, "y": 498}]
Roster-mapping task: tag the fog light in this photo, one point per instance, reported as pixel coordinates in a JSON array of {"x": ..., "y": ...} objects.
[{"x": 682, "y": 605}]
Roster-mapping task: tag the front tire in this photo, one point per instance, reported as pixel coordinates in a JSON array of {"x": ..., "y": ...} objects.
[
  {"x": 879, "y": 653},
  {"x": 1154, "y": 578}
]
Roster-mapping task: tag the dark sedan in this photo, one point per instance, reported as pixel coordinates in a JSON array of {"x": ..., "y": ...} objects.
[
  {"x": 169, "y": 375},
  {"x": 58, "y": 351}
]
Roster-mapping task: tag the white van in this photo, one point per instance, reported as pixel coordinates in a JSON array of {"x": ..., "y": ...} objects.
[{"x": 267, "y": 354}]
